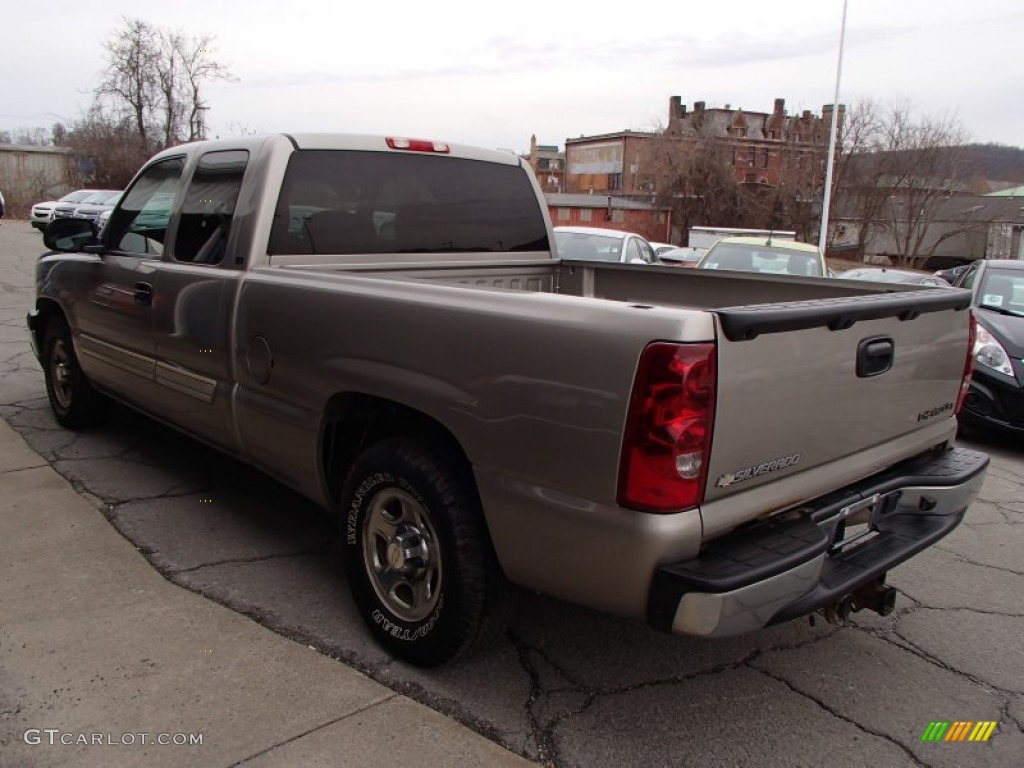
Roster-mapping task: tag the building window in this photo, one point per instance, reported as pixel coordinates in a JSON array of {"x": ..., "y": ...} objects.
[
  {"x": 764, "y": 157},
  {"x": 585, "y": 214},
  {"x": 563, "y": 214},
  {"x": 615, "y": 181},
  {"x": 618, "y": 215},
  {"x": 751, "y": 157}
]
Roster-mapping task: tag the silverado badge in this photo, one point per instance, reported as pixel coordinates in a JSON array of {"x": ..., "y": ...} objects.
[{"x": 729, "y": 478}]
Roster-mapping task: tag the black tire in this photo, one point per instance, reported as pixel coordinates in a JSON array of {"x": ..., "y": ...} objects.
[
  {"x": 74, "y": 402},
  {"x": 420, "y": 564}
]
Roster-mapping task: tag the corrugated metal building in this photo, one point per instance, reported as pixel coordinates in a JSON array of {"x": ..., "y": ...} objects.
[{"x": 29, "y": 174}]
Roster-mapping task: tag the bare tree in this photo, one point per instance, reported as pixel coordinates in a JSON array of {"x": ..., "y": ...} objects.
[
  {"x": 34, "y": 137},
  {"x": 696, "y": 179},
  {"x": 130, "y": 80},
  {"x": 156, "y": 77},
  {"x": 107, "y": 149},
  {"x": 151, "y": 96},
  {"x": 199, "y": 67},
  {"x": 895, "y": 173},
  {"x": 167, "y": 66}
]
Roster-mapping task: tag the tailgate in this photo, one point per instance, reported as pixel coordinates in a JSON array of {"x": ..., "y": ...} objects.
[{"x": 804, "y": 384}]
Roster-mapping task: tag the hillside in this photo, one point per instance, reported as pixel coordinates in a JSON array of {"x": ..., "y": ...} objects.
[{"x": 995, "y": 162}]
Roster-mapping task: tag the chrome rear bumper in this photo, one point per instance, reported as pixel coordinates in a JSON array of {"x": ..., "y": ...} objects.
[{"x": 810, "y": 558}]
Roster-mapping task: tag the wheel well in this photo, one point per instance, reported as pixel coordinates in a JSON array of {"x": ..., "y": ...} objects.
[
  {"x": 354, "y": 421},
  {"x": 47, "y": 310}
]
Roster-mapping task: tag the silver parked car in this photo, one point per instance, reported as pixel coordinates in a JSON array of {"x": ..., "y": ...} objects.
[
  {"x": 91, "y": 210},
  {"x": 69, "y": 208}
]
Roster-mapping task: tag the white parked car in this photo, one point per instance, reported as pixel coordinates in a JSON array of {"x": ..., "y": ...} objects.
[
  {"x": 596, "y": 244},
  {"x": 42, "y": 213},
  {"x": 766, "y": 255}
]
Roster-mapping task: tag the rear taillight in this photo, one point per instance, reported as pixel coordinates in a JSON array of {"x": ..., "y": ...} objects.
[
  {"x": 417, "y": 145},
  {"x": 965, "y": 381},
  {"x": 668, "y": 428}
]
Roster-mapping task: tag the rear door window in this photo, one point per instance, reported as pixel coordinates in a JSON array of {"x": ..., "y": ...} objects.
[
  {"x": 358, "y": 202},
  {"x": 209, "y": 206}
]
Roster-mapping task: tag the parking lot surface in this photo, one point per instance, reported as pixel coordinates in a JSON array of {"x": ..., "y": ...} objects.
[{"x": 567, "y": 686}]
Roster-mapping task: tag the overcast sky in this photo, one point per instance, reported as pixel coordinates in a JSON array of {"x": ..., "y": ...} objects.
[{"x": 492, "y": 74}]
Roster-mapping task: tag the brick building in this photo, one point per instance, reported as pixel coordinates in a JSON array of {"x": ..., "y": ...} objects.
[
  {"x": 610, "y": 212},
  {"x": 548, "y": 164},
  {"x": 762, "y": 147}
]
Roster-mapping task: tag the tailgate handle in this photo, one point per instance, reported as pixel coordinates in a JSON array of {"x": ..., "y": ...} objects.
[{"x": 875, "y": 356}]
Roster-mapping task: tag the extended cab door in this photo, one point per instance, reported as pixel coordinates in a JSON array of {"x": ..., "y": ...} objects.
[
  {"x": 195, "y": 284},
  {"x": 115, "y": 314}
]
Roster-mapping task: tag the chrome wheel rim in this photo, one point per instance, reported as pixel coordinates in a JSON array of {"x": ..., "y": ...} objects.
[
  {"x": 401, "y": 554},
  {"x": 60, "y": 374}
]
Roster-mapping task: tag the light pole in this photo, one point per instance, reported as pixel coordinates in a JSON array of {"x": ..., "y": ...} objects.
[{"x": 830, "y": 161}]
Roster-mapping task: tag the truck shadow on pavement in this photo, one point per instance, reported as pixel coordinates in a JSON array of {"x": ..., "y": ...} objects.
[{"x": 564, "y": 686}]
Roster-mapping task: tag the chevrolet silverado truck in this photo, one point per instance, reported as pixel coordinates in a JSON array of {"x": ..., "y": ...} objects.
[{"x": 384, "y": 325}]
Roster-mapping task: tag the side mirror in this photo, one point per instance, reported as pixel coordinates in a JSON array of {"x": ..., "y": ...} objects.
[
  {"x": 637, "y": 261},
  {"x": 69, "y": 235}
]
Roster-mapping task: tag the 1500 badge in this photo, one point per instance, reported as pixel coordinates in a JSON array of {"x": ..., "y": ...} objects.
[
  {"x": 931, "y": 413},
  {"x": 731, "y": 478}
]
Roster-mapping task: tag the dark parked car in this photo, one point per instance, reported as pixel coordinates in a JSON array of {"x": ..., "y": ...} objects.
[
  {"x": 952, "y": 273},
  {"x": 886, "y": 275},
  {"x": 996, "y": 394}
]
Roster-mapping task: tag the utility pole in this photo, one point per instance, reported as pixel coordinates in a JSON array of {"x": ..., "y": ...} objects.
[
  {"x": 827, "y": 196},
  {"x": 200, "y": 123}
]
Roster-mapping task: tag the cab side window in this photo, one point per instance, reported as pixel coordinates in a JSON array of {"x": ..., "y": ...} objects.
[
  {"x": 209, "y": 206},
  {"x": 967, "y": 279},
  {"x": 139, "y": 224}
]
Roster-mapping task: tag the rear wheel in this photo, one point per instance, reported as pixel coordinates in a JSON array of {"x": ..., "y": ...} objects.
[
  {"x": 419, "y": 561},
  {"x": 74, "y": 402}
]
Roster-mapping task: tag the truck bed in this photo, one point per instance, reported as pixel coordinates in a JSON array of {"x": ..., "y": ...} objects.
[{"x": 648, "y": 285}]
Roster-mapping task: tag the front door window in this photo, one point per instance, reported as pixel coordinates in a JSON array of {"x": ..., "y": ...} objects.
[{"x": 139, "y": 224}]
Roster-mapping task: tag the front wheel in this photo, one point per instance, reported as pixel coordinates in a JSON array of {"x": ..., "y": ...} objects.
[
  {"x": 419, "y": 561},
  {"x": 74, "y": 402}
]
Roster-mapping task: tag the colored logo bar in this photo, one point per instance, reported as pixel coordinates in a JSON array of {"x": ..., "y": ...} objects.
[{"x": 959, "y": 730}]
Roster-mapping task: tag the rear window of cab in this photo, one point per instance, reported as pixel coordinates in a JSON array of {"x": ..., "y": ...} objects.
[{"x": 360, "y": 202}]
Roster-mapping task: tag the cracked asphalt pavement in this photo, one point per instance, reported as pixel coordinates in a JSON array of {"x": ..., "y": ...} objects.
[{"x": 567, "y": 686}]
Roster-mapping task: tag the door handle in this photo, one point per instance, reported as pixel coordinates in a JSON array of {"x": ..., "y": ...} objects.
[{"x": 143, "y": 294}]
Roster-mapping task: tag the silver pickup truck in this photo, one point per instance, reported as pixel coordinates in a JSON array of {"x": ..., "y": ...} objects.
[{"x": 384, "y": 325}]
